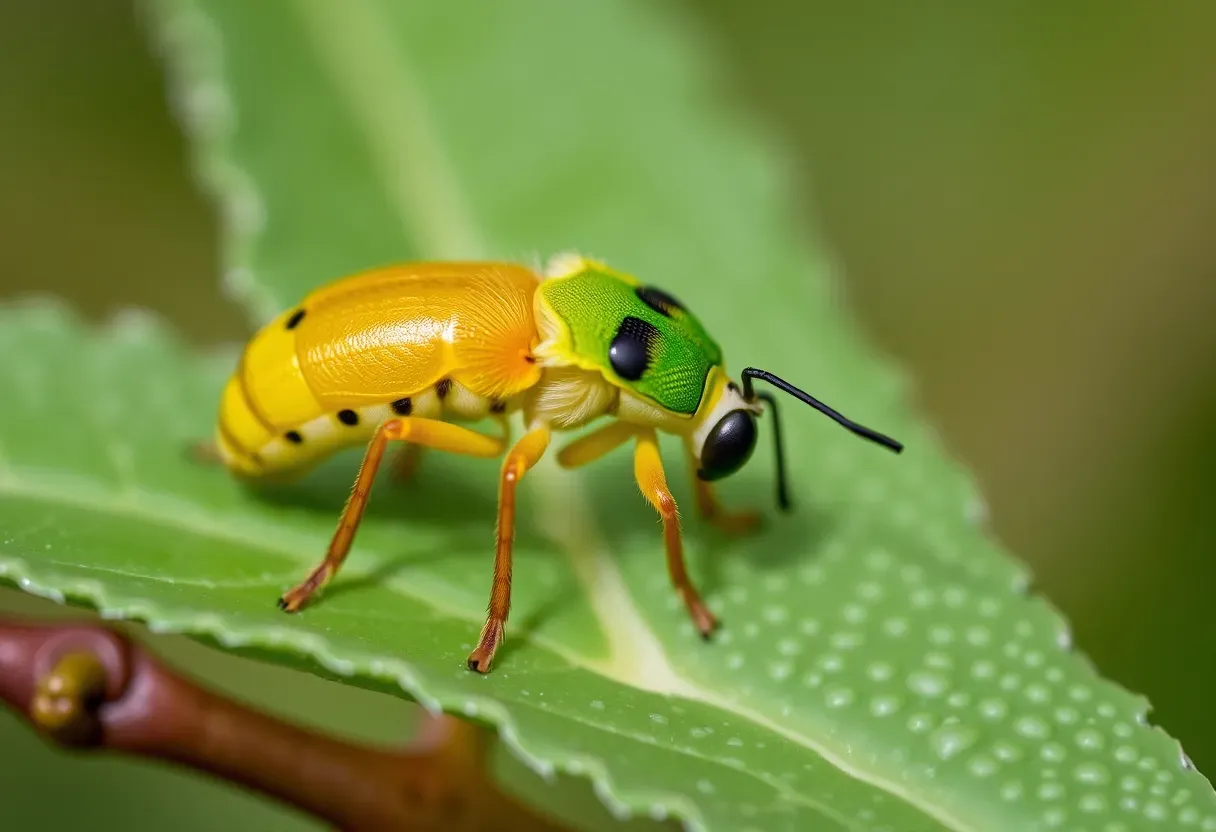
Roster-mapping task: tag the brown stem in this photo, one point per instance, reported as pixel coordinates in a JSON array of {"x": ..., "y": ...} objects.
[{"x": 87, "y": 686}]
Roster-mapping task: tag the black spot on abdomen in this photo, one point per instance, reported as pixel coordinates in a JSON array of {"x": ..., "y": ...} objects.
[
  {"x": 348, "y": 417},
  {"x": 403, "y": 407},
  {"x": 294, "y": 320}
]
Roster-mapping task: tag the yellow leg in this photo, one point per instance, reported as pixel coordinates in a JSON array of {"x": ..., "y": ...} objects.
[
  {"x": 405, "y": 465},
  {"x": 429, "y": 432},
  {"x": 728, "y": 522},
  {"x": 594, "y": 445},
  {"x": 526, "y": 453},
  {"x": 648, "y": 469}
]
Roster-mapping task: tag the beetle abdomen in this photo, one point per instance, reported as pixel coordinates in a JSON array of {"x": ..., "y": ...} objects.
[{"x": 445, "y": 340}]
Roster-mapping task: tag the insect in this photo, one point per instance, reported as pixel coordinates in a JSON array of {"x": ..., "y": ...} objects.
[{"x": 407, "y": 353}]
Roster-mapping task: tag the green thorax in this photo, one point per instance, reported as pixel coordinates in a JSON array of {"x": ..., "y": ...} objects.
[{"x": 640, "y": 338}]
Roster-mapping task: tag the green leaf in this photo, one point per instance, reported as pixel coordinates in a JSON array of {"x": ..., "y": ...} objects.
[{"x": 882, "y": 664}]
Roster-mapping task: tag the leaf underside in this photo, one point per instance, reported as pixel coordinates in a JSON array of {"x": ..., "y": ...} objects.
[{"x": 881, "y": 667}]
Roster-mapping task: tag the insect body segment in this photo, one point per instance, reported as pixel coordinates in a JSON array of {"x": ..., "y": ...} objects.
[
  {"x": 405, "y": 353},
  {"x": 432, "y": 341}
]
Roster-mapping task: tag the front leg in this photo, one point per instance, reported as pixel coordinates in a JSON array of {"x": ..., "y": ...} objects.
[
  {"x": 648, "y": 470},
  {"x": 729, "y": 522}
]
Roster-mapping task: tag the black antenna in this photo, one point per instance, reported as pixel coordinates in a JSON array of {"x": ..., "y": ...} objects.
[
  {"x": 749, "y": 373},
  {"x": 783, "y": 489}
]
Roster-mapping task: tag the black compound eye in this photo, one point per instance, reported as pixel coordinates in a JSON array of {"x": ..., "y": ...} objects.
[
  {"x": 729, "y": 445},
  {"x": 658, "y": 300},
  {"x": 629, "y": 352}
]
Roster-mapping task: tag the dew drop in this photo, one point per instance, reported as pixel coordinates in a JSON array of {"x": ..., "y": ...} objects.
[
  {"x": 1155, "y": 810},
  {"x": 1077, "y": 693},
  {"x": 776, "y": 614},
  {"x": 927, "y": 683},
  {"x": 941, "y": 661},
  {"x": 982, "y": 766},
  {"x": 705, "y": 787},
  {"x": 880, "y": 671},
  {"x": 1054, "y": 818},
  {"x": 1050, "y": 791},
  {"x": 941, "y": 634},
  {"x": 993, "y": 709},
  {"x": 989, "y": 607},
  {"x": 734, "y": 742},
  {"x": 1006, "y": 752},
  {"x": 954, "y": 596},
  {"x": 948, "y": 740},
  {"x": 896, "y": 627},
  {"x": 854, "y": 613},
  {"x": 870, "y": 590},
  {"x": 1033, "y": 658},
  {"x": 920, "y": 723},
  {"x": 1146, "y": 764},
  {"x": 831, "y": 663},
  {"x": 1092, "y": 773},
  {"x": 1012, "y": 791},
  {"x": 838, "y": 697},
  {"x": 734, "y": 661},
  {"x": 983, "y": 669},
  {"x": 788, "y": 647},
  {"x": 1090, "y": 740},
  {"x": 884, "y": 705},
  {"x": 978, "y": 636},
  {"x": 809, "y": 627},
  {"x": 779, "y": 671},
  {"x": 846, "y": 641},
  {"x": 1126, "y": 754},
  {"x": 1052, "y": 752},
  {"x": 1032, "y": 728},
  {"x": 1037, "y": 693},
  {"x": 958, "y": 699},
  {"x": 1130, "y": 784},
  {"x": 1066, "y": 716},
  {"x": 597, "y": 705},
  {"x": 658, "y": 718},
  {"x": 1093, "y": 803}
]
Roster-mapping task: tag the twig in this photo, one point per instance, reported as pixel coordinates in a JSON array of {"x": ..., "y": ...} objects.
[{"x": 87, "y": 686}]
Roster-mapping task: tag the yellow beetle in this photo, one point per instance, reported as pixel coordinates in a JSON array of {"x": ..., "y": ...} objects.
[{"x": 401, "y": 353}]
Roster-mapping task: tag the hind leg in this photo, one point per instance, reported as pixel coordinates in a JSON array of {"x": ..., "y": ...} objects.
[{"x": 429, "y": 432}]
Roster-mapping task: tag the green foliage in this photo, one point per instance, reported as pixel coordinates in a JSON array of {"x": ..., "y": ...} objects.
[{"x": 882, "y": 665}]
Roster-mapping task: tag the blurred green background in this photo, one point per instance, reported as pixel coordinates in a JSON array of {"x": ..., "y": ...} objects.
[{"x": 1022, "y": 199}]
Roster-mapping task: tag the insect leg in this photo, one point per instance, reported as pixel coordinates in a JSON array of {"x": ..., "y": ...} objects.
[
  {"x": 648, "y": 470},
  {"x": 405, "y": 465},
  {"x": 729, "y": 522},
  {"x": 526, "y": 453},
  {"x": 594, "y": 445},
  {"x": 429, "y": 432}
]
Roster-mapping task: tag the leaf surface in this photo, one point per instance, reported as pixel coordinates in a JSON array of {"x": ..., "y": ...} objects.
[{"x": 882, "y": 665}]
